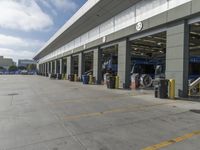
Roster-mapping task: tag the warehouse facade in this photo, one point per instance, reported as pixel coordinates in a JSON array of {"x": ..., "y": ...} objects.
[{"x": 160, "y": 31}]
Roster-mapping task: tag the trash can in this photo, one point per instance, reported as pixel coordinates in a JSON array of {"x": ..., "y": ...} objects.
[
  {"x": 111, "y": 82},
  {"x": 71, "y": 77},
  {"x": 85, "y": 79},
  {"x": 163, "y": 88},
  {"x": 59, "y": 76},
  {"x": 52, "y": 76}
]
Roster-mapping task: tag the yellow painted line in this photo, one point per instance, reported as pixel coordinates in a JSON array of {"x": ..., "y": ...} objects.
[
  {"x": 116, "y": 110},
  {"x": 172, "y": 141}
]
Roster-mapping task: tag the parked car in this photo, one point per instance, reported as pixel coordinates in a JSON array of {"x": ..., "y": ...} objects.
[{"x": 24, "y": 72}]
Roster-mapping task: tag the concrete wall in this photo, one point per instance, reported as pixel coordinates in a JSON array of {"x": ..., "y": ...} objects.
[
  {"x": 124, "y": 63},
  {"x": 51, "y": 67},
  {"x": 69, "y": 61},
  {"x": 80, "y": 65},
  {"x": 185, "y": 11},
  {"x": 177, "y": 56},
  {"x": 55, "y": 66},
  {"x": 97, "y": 65},
  {"x": 61, "y": 66}
]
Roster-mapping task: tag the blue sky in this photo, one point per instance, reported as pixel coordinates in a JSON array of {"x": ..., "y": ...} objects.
[{"x": 25, "y": 25}]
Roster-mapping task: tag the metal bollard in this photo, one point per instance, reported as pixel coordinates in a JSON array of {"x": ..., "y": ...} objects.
[
  {"x": 117, "y": 82},
  {"x": 63, "y": 76},
  {"x": 90, "y": 79},
  {"x": 172, "y": 89},
  {"x": 75, "y": 77}
]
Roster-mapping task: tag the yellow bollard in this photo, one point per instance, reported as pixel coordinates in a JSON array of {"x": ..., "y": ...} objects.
[
  {"x": 63, "y": 76},
  {"x": 172, "y": 89},
  {"x": 117, "y": 82},
  {"x": 75, "y": 77},
  {"x": 189, "y": 94},
  {"x": 90, "y": 79}
]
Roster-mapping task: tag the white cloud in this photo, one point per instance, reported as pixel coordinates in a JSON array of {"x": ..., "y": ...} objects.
[
  {"x": 15, "y": 55},
  {"x": 23, "y": 15},
  {"x": 48, "y": 5},
  {"x": 18, "y": 48},
  {"x": 64, "y": 4},
  {"x": 19, "y": 43}
]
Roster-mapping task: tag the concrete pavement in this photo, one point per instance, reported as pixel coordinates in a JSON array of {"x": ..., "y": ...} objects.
[{"x": 41, "y": 114}]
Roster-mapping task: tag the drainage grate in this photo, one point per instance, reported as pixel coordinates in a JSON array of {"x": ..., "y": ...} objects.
[
  {"x": 195, "y": 111},
  {"x": 13, "y": 94}
]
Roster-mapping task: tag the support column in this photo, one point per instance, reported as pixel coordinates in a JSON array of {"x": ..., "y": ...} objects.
[
  {"x": 61, "y": 67},
  {"x": 42, "y": 68},
  {"x": 80, "y": 65},
  {"x": 47, "y": 72},
  {"x": 69, "y": 61},
  {"x": 45, "y": 69},
  {"x": 51, "y": 67},
  {"x": 97, "y": 65},
  {"x": 48, "y": 67},
  {"x": 64, "y": 66},
  {"x": 37, "y": 66},
  {"x": 124, "y": 63},
  {"x": 39, "y": 69},
  {"x": 177, "y": 57},
  {"x": 55, "y": 69}
]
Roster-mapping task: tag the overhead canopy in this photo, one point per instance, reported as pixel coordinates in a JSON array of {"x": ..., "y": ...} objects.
[{"x": 101, "y": 11}]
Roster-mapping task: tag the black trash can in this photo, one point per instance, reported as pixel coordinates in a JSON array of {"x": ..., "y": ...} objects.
[
  {"x": 52, "y": 76},
  {"x": 163, "y": 88},
  {"x": 111, "y": 82},
  {"x": 59, "y": 76}
]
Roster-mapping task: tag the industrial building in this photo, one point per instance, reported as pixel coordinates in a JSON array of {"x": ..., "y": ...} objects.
[
  {"x": 6, "y": 62},
  {"x": 121, "y": 34},
  {"x": 25, "y": 62}
]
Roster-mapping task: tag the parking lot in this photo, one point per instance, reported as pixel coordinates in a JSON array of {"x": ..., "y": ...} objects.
[{"x": 37, "y": 113}]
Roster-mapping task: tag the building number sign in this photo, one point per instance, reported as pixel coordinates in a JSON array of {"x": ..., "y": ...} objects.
[{"x": 139, "y": 26}]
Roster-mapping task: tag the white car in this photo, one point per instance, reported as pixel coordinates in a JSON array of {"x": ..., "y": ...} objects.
[{"x": 24, "y": 72}]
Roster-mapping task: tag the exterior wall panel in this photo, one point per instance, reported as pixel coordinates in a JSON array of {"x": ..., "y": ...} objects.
[
  {"x": 151, "y": 12},
  {"x": 195, "y": 6},
  {"x": 177, "y": 68},
  {"x": 179, "y": 12}
]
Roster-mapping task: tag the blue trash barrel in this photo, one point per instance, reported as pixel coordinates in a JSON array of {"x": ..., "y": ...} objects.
[{"x": 85, "y": 79}]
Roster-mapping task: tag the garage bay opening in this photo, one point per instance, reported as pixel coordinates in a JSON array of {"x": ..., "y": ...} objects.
[{"x": 148, "y": 56}]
